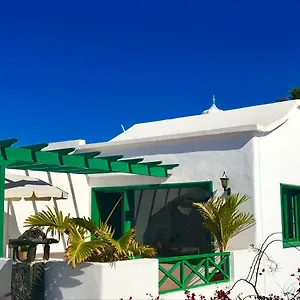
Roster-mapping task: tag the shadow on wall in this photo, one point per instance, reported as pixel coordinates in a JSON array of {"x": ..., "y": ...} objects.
[
  {"x": 11, "y": 223},
  {"x": 14, "y": 230},
  {"x": 206, "y": 144},
  {"x": 5, "y": 276},
  {"x": 56, "y": 280}
]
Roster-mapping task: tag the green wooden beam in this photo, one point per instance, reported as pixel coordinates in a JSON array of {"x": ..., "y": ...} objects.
[
  {"x": 36, "y": 147},
  {"x": 158, "y": 172},
  {"x": 60, "y": 160},
  {"x": 7, "y": 143}
]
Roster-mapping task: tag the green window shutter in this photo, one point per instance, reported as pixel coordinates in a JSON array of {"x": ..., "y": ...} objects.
[{"x": 290, "y": 205}]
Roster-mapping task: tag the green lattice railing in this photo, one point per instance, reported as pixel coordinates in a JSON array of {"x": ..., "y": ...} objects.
[{"x": 186, "y": 272}]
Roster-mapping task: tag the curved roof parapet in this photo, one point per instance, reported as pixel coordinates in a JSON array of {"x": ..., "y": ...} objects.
[{"x": 261, "y": 118}]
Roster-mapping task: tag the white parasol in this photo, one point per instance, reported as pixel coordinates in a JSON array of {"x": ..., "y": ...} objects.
[{"x": 19, "y": 187}]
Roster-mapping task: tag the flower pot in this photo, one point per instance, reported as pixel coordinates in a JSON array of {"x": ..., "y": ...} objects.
[
  {"x": 22, "y": 255},
  {"x": 217, "y": 277}
]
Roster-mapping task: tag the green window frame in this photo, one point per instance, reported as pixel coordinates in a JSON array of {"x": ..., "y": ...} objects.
[
  {"x": 290, "y": 206},
  {"x": 128, "y": 197}
]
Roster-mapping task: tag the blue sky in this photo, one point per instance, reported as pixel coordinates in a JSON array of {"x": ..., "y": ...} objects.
[{"x": 79, "y": 69}]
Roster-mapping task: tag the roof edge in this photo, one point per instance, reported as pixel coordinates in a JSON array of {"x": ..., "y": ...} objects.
[{"x": 200, "y": 133}]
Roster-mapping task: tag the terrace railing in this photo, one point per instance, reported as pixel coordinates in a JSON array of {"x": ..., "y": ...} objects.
[{"x": 186, "y": 272}]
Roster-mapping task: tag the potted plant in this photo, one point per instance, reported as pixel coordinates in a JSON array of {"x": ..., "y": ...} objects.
[
  {"x": 107, "y": 261},
  {"x": 223, "y": 219}
]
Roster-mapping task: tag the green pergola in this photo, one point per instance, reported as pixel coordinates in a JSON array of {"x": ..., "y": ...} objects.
[{"x": 67, "y": 160}]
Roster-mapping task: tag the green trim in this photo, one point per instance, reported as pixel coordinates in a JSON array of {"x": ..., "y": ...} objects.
[
  {"x": 194, "y": 263},
  {"x": 208, "y": 184},
  {"x": 198, "y": 256},
  {"x": 34, "y": 157},
  {"x": 95, "y": 216},
  {"x": 290, "y": 210},
  {"x": 128, "y": 215}
]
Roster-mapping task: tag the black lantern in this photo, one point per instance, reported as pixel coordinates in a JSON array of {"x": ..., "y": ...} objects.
[{"x": 224, "y": 182}]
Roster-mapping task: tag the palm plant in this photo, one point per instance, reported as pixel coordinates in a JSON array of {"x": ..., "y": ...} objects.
[
  {"x": 221, "y": 217},
  {"x": 87, "y": 241}
]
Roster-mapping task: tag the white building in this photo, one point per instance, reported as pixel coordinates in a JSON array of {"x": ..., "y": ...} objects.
[{"x": 256, "y": 146}]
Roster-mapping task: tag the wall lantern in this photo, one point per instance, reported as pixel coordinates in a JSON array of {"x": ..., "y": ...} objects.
[{"x": 224, "y": 181}]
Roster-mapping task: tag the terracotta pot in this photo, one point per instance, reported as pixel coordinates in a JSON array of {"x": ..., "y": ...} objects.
[
  {"x": 217, "y": 277},
  {"x": 22, "y": 255}
]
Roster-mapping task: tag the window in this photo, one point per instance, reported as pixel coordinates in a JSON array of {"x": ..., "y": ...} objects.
[
  {"x": 163, "y": 215},
  {"x": 290, "y": 202}
]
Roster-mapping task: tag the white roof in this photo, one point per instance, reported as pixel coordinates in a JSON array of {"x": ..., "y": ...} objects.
[{"x": 262, "y": 118}]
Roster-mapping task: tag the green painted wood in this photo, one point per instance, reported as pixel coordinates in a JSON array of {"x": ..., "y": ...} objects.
[
  {"x": 36, "y": 147},
  {"x": 196, "y": 256},
  {"x": 18, "y": 155},
  {"x": 99, "y": 164},
  {"x": 158, "y": 172},
  {"x": 74, "y": 161},
  {"x": 95, "y": 216},
  {"x": 7, "y": 143},
  {"x": 140, "y": 169},
  {"x": 174, "y": 267},
  {"x": 170, "y": 276},
  {"x": 128, "y": 210},
  {"x": 182, "y": 265},
  {"x": 194, "y": 272},
  {"x": 60, "y": 160},
  {"x": 205, "y": 261},
  {"x": 227, "y": 267},
  {"x": 48, "y": 158},
  {"x": 290, "y": 209},
  {"x": 118, "y": 166},
  {"x": 218, "y": 266}
]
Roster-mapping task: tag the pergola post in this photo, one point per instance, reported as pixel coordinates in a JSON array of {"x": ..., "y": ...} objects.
[{"x": 2, "y": 215}]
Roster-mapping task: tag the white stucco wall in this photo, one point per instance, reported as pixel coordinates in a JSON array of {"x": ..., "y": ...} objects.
[
  {"x": 202, "y": 159},
  {"x": 278, "y": 162},
  {"x": 5, "y": 277},
  {"x": 77, "y": 204},
  {"x": 103, "y": 281}
]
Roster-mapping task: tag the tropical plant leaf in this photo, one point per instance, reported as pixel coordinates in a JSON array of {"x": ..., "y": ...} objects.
[
  {"x": 85, "y": 223},
  {"x": 125, "y": 240},
  {"x": 79, "y": 249},
  {"x": 53, "y": 220},
  {"x": 144, "y": 251},
  {"x": 221, "y": 216}
]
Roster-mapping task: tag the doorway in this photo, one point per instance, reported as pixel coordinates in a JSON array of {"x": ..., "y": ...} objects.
[{"x": 106, "y": 202}]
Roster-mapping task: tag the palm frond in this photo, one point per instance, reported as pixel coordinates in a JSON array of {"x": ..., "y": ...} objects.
[
  {"x": 79, "y": 249},
  {"x": 144, "y": 251},
  {"x": 221, "y": 216},
  {"x": 85, "y": 223},
  {"x": 125, "y": 240},
  {"x": 54, "y": 221}
]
